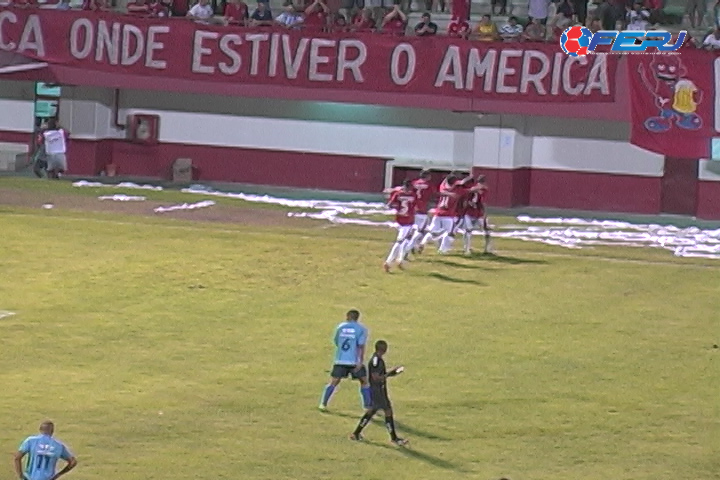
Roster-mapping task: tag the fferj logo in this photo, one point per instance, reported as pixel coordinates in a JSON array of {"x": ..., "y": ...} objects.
[{"x": 578, "y": 41}]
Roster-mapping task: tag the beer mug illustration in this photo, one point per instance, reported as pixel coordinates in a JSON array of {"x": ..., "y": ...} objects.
[{"x": 684, "y": 101}]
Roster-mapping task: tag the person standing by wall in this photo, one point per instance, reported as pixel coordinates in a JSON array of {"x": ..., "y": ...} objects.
[{"x": 55, "y": 142}]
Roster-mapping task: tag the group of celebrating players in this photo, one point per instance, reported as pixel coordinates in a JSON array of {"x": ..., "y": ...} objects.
[{"x": 459, "y": 206}]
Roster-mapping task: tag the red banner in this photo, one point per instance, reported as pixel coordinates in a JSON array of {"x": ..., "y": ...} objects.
[
  {"x": 343, "y": 61},
  {"x": 673, "y": 103}
]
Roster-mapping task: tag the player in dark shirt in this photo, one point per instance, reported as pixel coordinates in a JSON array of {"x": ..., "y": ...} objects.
[{"x": 378, "y": 390}]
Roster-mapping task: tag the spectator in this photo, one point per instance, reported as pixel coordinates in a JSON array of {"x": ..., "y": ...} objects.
[
  {"x": 580, "y": 8},
  {"x": 395, "y": 22},
  {"x": 486, "y": 29},
  {"x": 138, "y": 7},
  {"x": 262, "y": 16},
  {"x": 430, "y": 3},
  {"x": 364, "y": 22},
  {"x": 712, "y": 41},
  {"x": 695, "y": 11},
  {"x": 95, "y": 5},
  {"x": 63, "y": 5},
  {"x": 316, "y": 15},
  {"x": 158, "y": 9},
  {"x": 499, "y": 3},
  {"x": 535, "y": 31},
  {"x": 618, "y": 9},
  {"x": 460, "y": 28},
  {"x": 638, "y": 19},
  {"x": 201, "y": 12},
  {"x": 425, "y": 28},
  {"x": 566, "y": 8},
  {"x": 376, "y": 6},
  {"x": 595, "y": 25},
  {"x": 347, "y": 7},
  {"x": 236, "y": 13},
  {"x": 538, "y": 9},
  {"x": 22, "y": 3},
  {"x": 511, "y": 31},
  {"x": 289, "y": 17},
  {"x": 557, "y": 26},
  {"x": 604, "y": 13},
  {"x": 339, "y": 22}
]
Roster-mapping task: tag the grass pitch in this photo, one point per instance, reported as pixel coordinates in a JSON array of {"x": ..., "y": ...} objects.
[{"x": 178, "y": 350}]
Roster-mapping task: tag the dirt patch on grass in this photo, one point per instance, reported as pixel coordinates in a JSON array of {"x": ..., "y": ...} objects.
[{"x": 216, "y": 213}]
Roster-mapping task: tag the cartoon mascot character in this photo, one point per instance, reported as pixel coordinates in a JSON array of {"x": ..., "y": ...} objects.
[{"x": 676, "y": 97}]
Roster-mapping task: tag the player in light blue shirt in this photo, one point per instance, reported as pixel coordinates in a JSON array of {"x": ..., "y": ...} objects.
[
  {"x": 43, "y": 453},
  {"x": 350, "y": 338}
]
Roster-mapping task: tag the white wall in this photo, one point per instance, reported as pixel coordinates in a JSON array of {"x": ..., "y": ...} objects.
[
  {"x": 16, "y": 106},
  {"x": 595, "y": 156},
  {"x": 410, "y": 136},
  {"x": 88, "y": 113},
  {"x": 709, "y": 170}
]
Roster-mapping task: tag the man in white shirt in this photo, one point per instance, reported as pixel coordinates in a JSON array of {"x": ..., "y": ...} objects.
[
  {"x": 289, "y": 18},
  {"x": 638, "y": 19},
  {"x": 201, "y": 12},
  {"x": 712, "y": 41},
  {"x": 55, "y": 142},
  {"x": 511, "y": 31}
]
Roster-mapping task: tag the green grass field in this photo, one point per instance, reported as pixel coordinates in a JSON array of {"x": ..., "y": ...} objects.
[{"x": 176, "y": 350}]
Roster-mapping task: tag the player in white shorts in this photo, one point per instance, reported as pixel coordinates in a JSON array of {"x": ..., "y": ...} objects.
[{"x": 403, "y": 201}]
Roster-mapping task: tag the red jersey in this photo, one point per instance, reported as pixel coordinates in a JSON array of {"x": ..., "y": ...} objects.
[
  {"x": 396, "y": 26},
  {"x": 316, "y": 19},
  {"x": 450, "y": 206},
  {"x": 236, "y": 13},
  {"x": 363, "y": 25},
  {"x": 425, "y": 192},
  {"x": 475, "y": 206},
  {"x": 404, "y": 204}
]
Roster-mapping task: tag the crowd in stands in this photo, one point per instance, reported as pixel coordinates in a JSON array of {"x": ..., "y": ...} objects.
[{"x": 547, "y": 19}]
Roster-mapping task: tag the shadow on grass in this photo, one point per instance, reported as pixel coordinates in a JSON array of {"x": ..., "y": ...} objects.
[
  {"x": 447, "y": 278},
  {"x": 401, "y": 426},
  {"x": 418, "y": 455},
  {"x": 491, "y": 257}
]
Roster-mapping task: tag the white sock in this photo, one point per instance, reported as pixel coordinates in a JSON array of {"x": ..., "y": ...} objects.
[
  {"x": 394, "y": 252},
  {"x": 427, "y": 238},
  {"x": 404, "y": 250},
  {"x": 467, "y": 238},
  {"x": 446, "y": 243},
  {"x": 416, "y": 239}
]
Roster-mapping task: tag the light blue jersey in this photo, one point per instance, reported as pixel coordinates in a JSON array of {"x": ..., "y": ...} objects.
[
  {"x": 42, "y": 453},
  {"x": 349, "y": 337}
]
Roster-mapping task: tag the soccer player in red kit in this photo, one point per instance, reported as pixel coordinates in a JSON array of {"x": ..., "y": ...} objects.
[
  {"x": 443, "y": 222},
  {"x": 474, "y": 217},
  {"x": 425, "y": 191},
  {"x": 403, "y": 201}
]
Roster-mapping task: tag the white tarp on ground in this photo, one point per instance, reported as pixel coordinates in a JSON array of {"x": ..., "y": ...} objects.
[{"x": 564, "y": 232}]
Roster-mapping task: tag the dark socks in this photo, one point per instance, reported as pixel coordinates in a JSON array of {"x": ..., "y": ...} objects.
[
  {"x": 390, "y": 425},
  {"x": 363, "y": 422}
]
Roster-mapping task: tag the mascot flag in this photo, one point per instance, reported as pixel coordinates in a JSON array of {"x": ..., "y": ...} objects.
[{"x": 673, "y": 101}]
